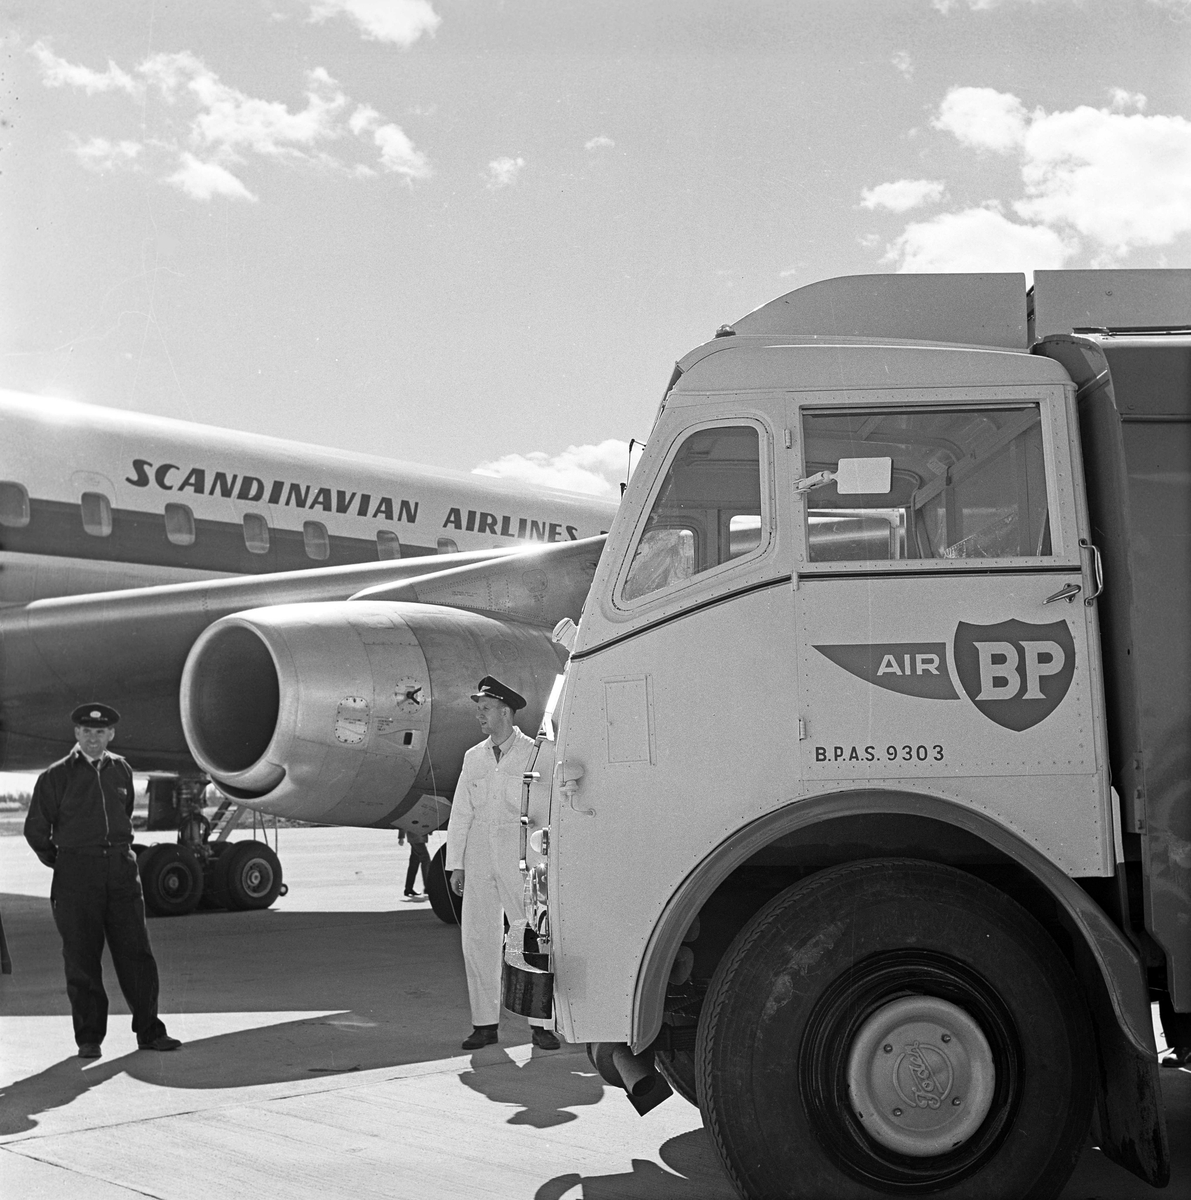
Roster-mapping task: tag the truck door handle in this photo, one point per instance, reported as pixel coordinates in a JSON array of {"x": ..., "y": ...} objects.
[
  {"x": 1097, "y": 570},
  {"x": 1067, "y": 592}
]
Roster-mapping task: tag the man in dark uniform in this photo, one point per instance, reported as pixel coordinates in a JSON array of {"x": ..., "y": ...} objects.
[{"x": 80, "y": 823}]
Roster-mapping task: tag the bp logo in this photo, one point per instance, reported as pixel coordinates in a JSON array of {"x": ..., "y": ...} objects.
[{"x": 1015, "y": 673}]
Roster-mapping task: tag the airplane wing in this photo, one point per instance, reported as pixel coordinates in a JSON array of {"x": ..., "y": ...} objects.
[{"x": 337, "y": 694}]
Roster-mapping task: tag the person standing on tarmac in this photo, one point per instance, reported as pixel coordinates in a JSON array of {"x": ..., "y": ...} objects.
[
  {"x": 80, "y": 824},
  {"x": 483, "y": 835},
  {"x": 419, "y": 856}
]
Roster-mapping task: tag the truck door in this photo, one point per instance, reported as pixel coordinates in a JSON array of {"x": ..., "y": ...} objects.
[
  {"x": 680, "y": 701},
  {"x": 945, "y": 642}
]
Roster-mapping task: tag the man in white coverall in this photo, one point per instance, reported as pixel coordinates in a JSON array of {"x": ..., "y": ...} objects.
[{"x": 483, "y": 848}]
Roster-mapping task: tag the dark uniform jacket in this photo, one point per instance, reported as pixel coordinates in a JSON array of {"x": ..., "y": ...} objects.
[{"x": 77, "y": 804}]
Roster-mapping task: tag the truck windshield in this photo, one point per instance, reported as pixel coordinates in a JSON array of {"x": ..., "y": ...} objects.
[
  {"x": 707, "y": 511},
  {"x": 967, "y": 483}
]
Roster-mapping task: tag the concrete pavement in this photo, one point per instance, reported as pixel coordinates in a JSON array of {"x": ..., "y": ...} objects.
[{"x": 322, "y": 1060}]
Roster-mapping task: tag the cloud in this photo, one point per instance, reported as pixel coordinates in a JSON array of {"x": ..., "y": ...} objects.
[
  {"x": 397, "y": 153},
  {"x": 1118, "y": 179},
  {"x": 400, "y": 22},
  {"x": 983, "y": 118},
  {"x": 599, "y": 143},
  {"x": 503, "y": 172},
  {"x": 214, "y": 129},
  {"x": 232, "y": 121},
  {"x": 57, "y": 72},
  {"x": 902, "y": 195},
  {"x": 99, "y": 154},
  {"x": 594, "y": 470},
  {"x": 904, "y": 64},
  {"x": 977, "y": 239},
  {"x": 202, "y": 180},
  {"x": 1121, "y": 99}
]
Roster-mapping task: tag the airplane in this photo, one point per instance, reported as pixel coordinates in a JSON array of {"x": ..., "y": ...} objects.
[{"x": 302, "y": 626}]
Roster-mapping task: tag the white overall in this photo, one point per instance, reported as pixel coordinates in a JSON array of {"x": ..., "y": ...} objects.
[{"x": 483, "y": 837}]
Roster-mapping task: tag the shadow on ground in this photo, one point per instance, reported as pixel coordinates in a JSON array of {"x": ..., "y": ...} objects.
[
  {"x": 543, "y": 1089},
  {"x": 394, "y": 984},
  {"x": 697, "y": 1175},
  {"x": 384, "y": 966}
]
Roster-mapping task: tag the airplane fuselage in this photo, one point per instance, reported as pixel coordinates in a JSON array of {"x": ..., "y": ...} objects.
[{"x": 95, "y": 499}]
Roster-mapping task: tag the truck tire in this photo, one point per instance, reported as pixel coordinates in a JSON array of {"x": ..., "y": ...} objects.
[
  {"x": 171, "y": 879},
  {"x": 895, "y": 1027},
  {"x": 447, "y": 906},
  {"x": 247, "y": 875},
  {"x": 677, "y": 1068}
]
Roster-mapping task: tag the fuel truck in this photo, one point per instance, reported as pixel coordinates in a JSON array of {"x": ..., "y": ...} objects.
[{"x": 866, "y": 827}]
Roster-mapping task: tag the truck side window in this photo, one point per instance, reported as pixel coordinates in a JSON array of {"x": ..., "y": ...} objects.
[
  {"x": 966, "y": 483},
  {"x": 707, "y": 512}
]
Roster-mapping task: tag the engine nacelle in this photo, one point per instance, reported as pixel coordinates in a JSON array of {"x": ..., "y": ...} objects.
[{"x": 352, "y": 713}]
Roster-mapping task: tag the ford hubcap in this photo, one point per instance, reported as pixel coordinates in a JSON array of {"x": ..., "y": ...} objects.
[{"x": 920, "y": 1076}]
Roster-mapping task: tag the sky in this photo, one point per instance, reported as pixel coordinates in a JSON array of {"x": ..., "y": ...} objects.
[{"x": 478, "y": 234}]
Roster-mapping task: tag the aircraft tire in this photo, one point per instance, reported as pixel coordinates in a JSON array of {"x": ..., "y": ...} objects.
[
  {"x": 992, "y": 1093},
  {"x": 247, "y": 875},
  {"x": 447, "y": 906},
  {"x": 171, "y": 880}
]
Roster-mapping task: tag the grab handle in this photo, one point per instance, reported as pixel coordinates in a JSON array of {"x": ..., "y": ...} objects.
[{"x": 1097, "y": 570}]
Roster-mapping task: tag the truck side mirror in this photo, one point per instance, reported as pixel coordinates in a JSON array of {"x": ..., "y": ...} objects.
[{"x": 864, "y": 476}]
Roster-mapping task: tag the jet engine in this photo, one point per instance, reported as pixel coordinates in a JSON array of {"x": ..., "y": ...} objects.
[{"x": 355, "y": 712}]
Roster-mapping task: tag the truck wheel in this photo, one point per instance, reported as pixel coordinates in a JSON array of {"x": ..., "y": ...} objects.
[
  {"x": 895, "y": 1027},
  {"x": 247, "y": 875},
  {"x": 677, "y": 1068},
  {"x": 171, "y": 879},
  {"x": 447, "y": 906}
]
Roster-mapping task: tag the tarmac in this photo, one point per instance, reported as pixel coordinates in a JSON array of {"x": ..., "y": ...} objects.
[{"x": 322, "y": 1059}]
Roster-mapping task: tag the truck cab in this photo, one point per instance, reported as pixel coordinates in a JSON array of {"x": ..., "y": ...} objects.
[{"x": 849, "y": 835}]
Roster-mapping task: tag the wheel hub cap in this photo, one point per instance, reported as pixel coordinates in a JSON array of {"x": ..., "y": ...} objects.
[{"x": 920, "y": 1076}]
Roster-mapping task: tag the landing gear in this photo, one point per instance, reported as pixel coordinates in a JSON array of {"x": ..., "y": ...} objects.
[
  {"x": 447, "y": 906},
  {"x": 171, "y": 879},
  {"x": 246, "y": 875},
  {"x": 203, "y": 866},
  {"x": 895, "y": 1028}
]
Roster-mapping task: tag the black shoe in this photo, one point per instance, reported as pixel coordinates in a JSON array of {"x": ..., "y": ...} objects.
[
  {"x": 481, "y": 1035},
  {"x": 413, "y": 895},
  {"x": 89, "y": 1050},
  {"x": 1176, "y": 1056},
  {"x": 544, "y": 1039},
  {"x": 164, "y": 1042}
]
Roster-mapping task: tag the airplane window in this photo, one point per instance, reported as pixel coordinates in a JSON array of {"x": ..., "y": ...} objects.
[
  {"x": 97, "y": 514},
  {"x": 318, "y": 545},
  {"x": 447, "y": 546},
  {"x": 966, "y": 483},
  {"x": 14, "y": 505},
  {"x": 179, "y": 524},
  {"x": 388, "y": 544},
  {"x": 707, "y": 512},
  {"x": 256, "y": 533}
]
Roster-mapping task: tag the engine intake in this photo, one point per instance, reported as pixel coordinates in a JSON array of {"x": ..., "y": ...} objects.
[{"x": 350, "y": 712}]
